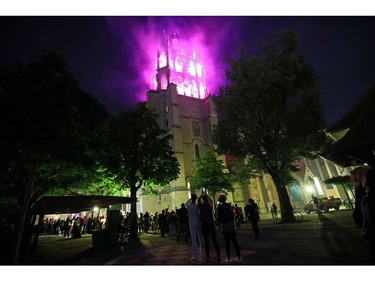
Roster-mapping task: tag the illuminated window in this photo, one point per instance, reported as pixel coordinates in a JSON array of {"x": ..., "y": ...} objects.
[
  {"x": 170, "y": 61},
  {"x": 164, "y": 82},
  {"x": 199, "y": 70},
  {"x": 162, "y": 60},
  {"x": 202, "y": 90},
  {"x": 180, "y": 86},
  {"x": 178, "y": 64},
  {"x": 196, "y": 128},
  {"x": 196, "y": 149},
  {"x": 192, "y": 69},
  {"x": 195, "y": 89},
  {"x": 187, "y": 88}
]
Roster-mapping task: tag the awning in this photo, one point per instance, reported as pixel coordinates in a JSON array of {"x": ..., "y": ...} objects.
[
  {"x": 76, "y": 203},
  {"x": 358, "y": 145}
]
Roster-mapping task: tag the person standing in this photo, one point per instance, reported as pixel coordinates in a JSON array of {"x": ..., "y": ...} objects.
[
  {"x": 356, "y": 177},
  {"x": 162, "y": 220},
  {"x": 183, "y": 223},
  {"x": 195, "y": 227},
  {"x": 254, "y": 216},
  {"x": 228, "y": 229},
  {"x": 368, "y": 211},
  {"x": 274, "y": 210},
  {"x": 208, "y": 226}
]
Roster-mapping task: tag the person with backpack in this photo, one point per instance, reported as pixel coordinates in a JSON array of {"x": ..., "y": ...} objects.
[{"x": 228, "y": 228}]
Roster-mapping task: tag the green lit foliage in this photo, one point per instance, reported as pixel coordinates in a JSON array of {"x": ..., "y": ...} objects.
[
  {"x": 140, "y": 154},
  {"x": 271, "y": 113},
  {"x": 210, "y": 172}
]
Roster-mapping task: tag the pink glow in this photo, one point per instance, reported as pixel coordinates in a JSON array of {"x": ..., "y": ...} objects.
[{"x": 201, "y": 39}]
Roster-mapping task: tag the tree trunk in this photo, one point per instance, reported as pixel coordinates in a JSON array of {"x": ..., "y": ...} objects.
[
  {"x": 133, "y": 232},
  {"x": 286, "y": 209},
  {"x": 20, "y": 225}
]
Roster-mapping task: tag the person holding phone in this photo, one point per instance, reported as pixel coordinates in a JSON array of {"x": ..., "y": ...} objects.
[
  {"x": 208, "y": 225},
  {"x": 195, "y": 227}
]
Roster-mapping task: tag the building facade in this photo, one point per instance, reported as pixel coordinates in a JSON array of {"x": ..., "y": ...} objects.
[{"x": 187, "y": 112}]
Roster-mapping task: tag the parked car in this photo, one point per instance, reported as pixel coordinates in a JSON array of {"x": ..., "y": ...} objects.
[{"x": 325, "y": 204}]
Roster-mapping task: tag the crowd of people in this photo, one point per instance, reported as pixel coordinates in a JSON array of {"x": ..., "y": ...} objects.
[
  {"x": 71, "y": 227},
  {"x": 198, "y": 220}
]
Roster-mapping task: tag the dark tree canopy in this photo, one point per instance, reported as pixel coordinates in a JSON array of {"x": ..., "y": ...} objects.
[
  {"x": 271, "y": 113},
  {"x": 49, "y": 125},
  {"x": 140, "y": 152}
]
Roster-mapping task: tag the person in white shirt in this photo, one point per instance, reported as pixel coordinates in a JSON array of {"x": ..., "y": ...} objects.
[{"x": 195, "y": 227}]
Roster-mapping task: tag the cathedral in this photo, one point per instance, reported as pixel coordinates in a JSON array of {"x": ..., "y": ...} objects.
[{"x": 187, "y": 112}]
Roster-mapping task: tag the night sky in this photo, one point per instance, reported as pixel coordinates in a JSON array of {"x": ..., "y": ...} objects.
[{"x": 112, "y": 56}]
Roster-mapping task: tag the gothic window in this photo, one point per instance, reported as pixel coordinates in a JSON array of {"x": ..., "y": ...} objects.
[
  {"x": 196, "y": 129},
  {"x": 195, "y": 89},
  {"x": 178, "y": 65},
  {"x": 170, "y": 61},
  {"x": 199, "y": 70},
  {"x": 192, "y": 71},
  {"x": 164, "y": 82},
  {"x": 196, "y": 149},
  {"x": 162, "y": 60},
  {"x": 202, "y": 91},
  {"x": 180, "y": 85},
  {"x": 187, "y": 87}
]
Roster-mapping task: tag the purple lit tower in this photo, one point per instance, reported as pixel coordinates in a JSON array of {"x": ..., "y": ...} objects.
[
  {"x": 186, "y": 111},
  {"x": 181, "y": 66}
]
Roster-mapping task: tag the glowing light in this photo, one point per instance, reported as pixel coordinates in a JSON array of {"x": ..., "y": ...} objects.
[
  {"x": 199, "y": 70},
  {"x": 96, "y": 209},
  {"x": 187, "y": 71},
  {"x": 164, "y": 82},
  {"x": 163, "y": 60},
  {"x": 192, "y": 69},
  {"x": 178, "y": 64},
  {"x": 309, "y": 189},
  {"x": 318, "y": 186}
]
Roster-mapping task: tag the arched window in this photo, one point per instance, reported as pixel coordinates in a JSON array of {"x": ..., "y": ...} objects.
[
  {"x": 180, "y": 85},
  {"x": 170, "y": 61},
  {"x": 187, "y": 87},
  {"x": 195, "y": 89},
  {"x": 164, "y": 82},
  {"x": 162, "y": 60},
  {"x": 202, "y": 90},
  {"x": 178, "y": 65},
  {"x": 192, "y": 70},
  {"x": 196, "y": 149},
  {"x": 199, "y": 70}
]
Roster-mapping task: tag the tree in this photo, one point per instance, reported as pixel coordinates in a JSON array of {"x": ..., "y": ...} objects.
[
  {"x": 271, "y": 113},
  {"x": 47, "y": 122},
  {"x": 140, "y": 153},
  {"x": 209, "y": 172}
]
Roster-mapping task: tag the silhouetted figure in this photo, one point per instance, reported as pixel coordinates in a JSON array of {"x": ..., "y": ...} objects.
[
  {"x": 228, "y": 229},
  {"x": 76, "y": 233},
  {"x": 274, "y": 210},
  {"x": 208, "y": 227},
  {"x": 254, "y": 216},
  {"x": 356, "y": 177},
  {"x": 183, "y": 223},
  {"x": 368, "y": 211}
]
